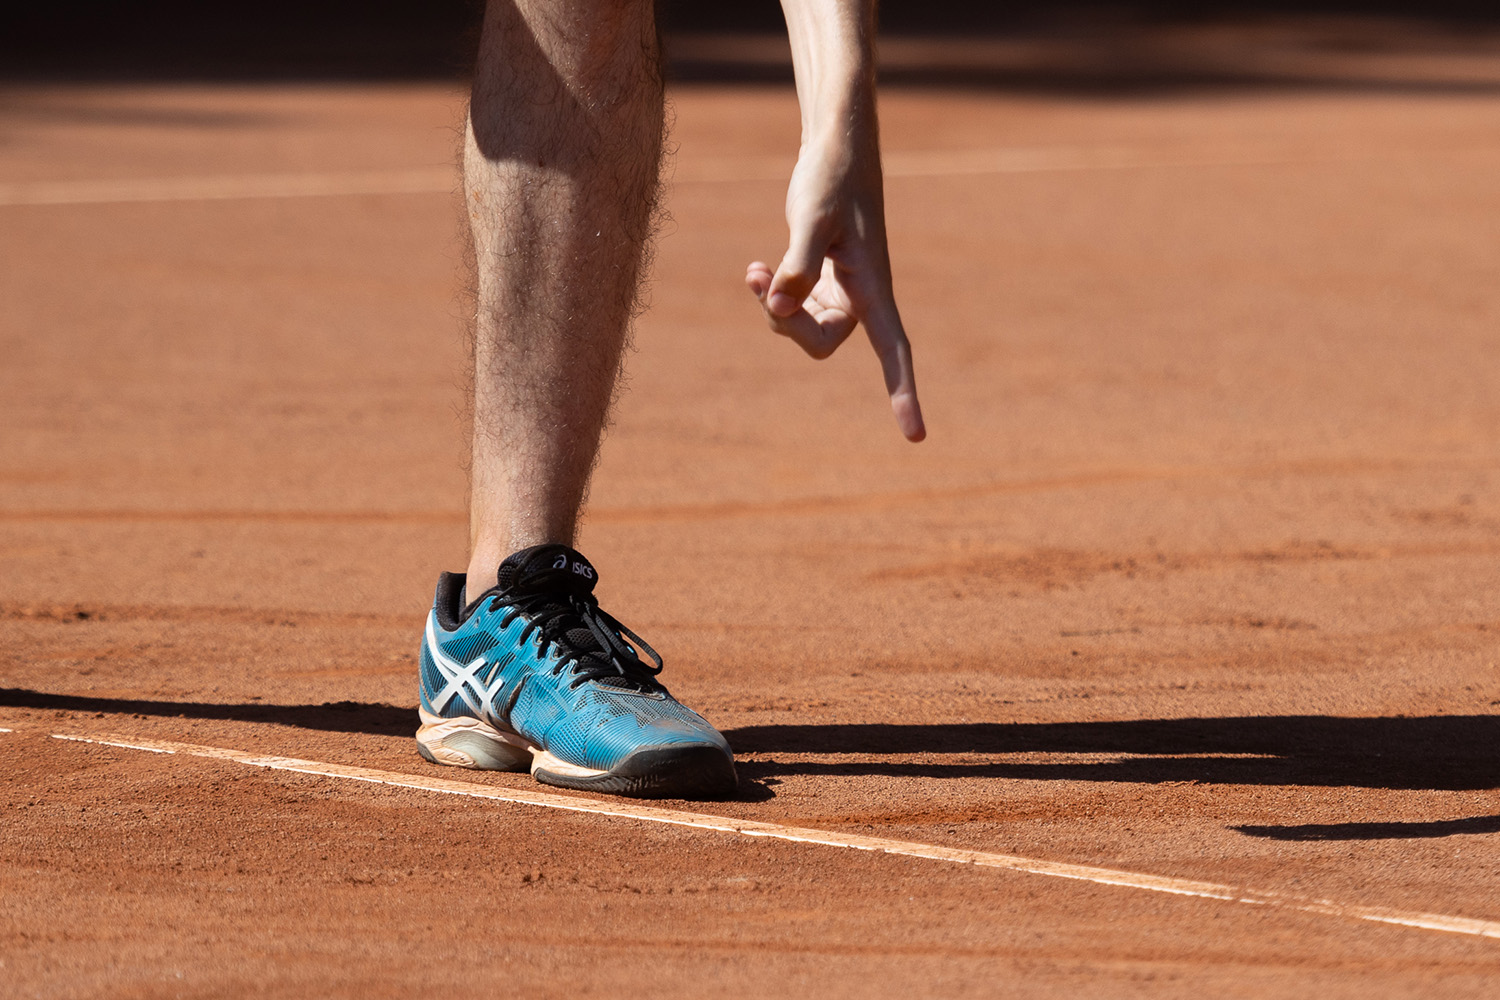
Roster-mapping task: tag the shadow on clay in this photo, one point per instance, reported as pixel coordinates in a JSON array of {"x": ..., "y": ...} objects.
[
  {"x": 1375, "y": 831},
  {"x": 367, "y": 718},
  {"x": 1441, "y": 752},
  {"x": 331, "y": 716}
]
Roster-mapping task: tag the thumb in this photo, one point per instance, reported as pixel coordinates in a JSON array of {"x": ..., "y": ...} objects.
[{"x": 798, "y": 273}]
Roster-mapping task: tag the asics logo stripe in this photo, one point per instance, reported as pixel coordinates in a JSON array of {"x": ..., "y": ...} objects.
[{"x": 462, "y": 681}]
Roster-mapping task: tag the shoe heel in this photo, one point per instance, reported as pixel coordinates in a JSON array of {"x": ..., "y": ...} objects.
[{"x": 466, "y": 742}]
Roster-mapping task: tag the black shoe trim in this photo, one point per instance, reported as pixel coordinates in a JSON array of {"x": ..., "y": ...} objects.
[
  {"x": 671, "y": 772},
  {"x": 450, "y": 590}
]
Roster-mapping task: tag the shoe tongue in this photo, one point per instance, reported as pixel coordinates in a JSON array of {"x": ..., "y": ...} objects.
[
  {"x": 547, "y": 568},
  {"x": 558, "y": 569}
]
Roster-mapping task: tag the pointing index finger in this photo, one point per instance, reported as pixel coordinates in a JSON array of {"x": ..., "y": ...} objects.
[{"x": 888, "y": 338}]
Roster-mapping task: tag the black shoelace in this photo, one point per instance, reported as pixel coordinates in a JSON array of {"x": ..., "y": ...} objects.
[{"x": 557, "y": 619}]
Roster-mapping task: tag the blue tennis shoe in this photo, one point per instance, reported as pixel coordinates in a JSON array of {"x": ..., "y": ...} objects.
[{"x": 533, "y": 675}]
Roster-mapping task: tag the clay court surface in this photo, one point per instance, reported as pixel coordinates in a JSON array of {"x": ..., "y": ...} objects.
[{"x": 1196, "y": 576}]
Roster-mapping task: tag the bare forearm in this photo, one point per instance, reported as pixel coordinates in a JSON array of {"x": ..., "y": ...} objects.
[
  {"x": 837, "y": 184},
  {"x": 837, "y": 271},
  {"x": 833, "y": 57}
]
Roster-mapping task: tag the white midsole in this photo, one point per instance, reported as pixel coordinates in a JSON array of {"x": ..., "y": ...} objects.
[
  {"x": 435, "y": 729},
  {"x": 544, "y": 761}
]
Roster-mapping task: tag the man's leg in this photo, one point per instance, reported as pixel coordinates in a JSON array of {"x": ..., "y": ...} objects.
[
  {"x": 561, "y": 162},
  {"x": 560, "y": 172}
]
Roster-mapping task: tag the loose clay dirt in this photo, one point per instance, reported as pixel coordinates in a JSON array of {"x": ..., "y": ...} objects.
[{"x": 1196, "y": 575}]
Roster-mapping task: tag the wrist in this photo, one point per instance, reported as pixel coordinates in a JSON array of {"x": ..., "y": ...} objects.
[{"x": 842, "y": 108}]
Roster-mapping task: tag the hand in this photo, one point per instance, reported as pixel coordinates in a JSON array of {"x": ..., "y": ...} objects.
[{"x": 836, "y": 273}]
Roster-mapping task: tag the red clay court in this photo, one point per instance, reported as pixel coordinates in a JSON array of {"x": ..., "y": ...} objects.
[{"x": 1170, "y": 657}]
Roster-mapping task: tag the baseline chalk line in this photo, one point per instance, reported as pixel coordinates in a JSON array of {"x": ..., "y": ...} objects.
[
  {"x": 802, "y": 835},
  {"x": 445, "y": 179},
  {"x": 420, "y": 180}
]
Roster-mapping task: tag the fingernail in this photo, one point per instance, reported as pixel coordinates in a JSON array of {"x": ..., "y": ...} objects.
[{"x": 782, "y": 304}]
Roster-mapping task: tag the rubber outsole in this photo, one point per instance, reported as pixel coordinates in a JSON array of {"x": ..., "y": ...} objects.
[{"x": 676, "y": 772}]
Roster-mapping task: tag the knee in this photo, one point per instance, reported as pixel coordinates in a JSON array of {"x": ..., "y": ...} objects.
[
  {"x": 558, "y": 78},
  {"x": 585, "y": 41}
]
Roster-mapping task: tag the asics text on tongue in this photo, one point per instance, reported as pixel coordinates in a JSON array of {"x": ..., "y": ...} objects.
[{"x": 534, "y": 676}]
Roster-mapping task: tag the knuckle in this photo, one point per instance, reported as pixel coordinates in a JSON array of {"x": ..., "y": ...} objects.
[
  {"x": 819, "y": 348},
  {"x": 794, "y": 279},
  {"x": 780, "y": 326}
]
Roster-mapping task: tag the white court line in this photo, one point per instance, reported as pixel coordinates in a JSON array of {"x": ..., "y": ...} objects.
[
  {"x": 752, "y": 828},
  {"x": 425, "y": 180},
  {"x": 445, "y": 179}
]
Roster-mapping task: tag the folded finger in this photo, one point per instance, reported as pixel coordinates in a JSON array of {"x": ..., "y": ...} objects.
[
  {"x": 798, "y": 273},
  {"x": 758, "y": 279},
  {"x": 818, "y": 335}
]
